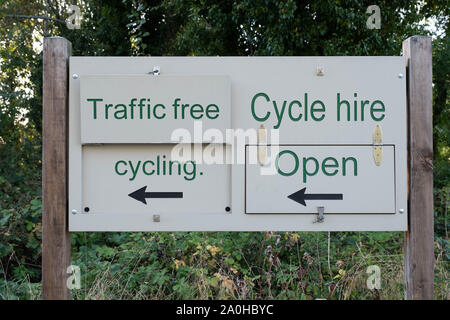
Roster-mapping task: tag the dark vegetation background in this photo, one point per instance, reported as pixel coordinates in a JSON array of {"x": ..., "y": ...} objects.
[{"x": 206, "y": 265}]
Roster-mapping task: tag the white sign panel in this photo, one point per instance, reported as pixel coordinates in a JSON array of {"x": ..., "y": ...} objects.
[
  {"x": 237, "y": 144},
  {"x": 145, "y": 180},
  {"x": 343, "y": 179},
  {"x": 146, "y": 109}
]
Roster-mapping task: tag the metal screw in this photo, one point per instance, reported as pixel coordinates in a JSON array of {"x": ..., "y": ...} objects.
[
  {"x": 401, "y": 210},
  {"x": 320, "y": 217},
  {"x": 156, "y": 71},
  {"x": 74, "y": 211},
  {"x": 75, "y": 76},
  {"x": 400, "y": 75},
  {"x": 156, "y": 218}
]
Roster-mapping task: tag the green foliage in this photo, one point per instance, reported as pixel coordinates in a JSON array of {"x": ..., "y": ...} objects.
[
  {"x": 205, "y": 265},
  {"x": 244, "y": 265}
]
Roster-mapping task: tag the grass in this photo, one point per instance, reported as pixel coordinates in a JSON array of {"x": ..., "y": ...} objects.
[
  {"x": 300, "y": 275},
  {"x": 281, "y": 265}
]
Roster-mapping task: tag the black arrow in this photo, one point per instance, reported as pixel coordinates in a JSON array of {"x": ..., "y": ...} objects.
[
  {"x": 300, "y": 196},
  {"x": 141, "y": 195}
]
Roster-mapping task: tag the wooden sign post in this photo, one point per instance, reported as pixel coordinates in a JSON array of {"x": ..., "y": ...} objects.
[
  {"x": 419, "y": 239},
  {"x": 55, "y": 235}
]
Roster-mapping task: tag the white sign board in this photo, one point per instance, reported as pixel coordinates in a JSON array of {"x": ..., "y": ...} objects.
[
  {"x": 339, "y": 178},
  {"x": 237, "y": 144},
  {"x": 144, "y": 109},
  {"x": 119, "y": 177}
]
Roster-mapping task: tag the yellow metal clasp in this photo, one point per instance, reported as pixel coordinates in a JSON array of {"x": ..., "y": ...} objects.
[{"x": 377, "y": 140}]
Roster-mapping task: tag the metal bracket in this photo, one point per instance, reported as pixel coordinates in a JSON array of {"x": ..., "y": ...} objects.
[
  {"x": 320, "y": 217},
  {"x": 320, "y": 71},
  {"x": 156, "y": 71},
  {"x": 377, "y": 140}
]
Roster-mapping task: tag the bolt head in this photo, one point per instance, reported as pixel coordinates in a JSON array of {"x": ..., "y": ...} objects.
[
  {"x": 400, "y": 75},
  {"x": 401, "y": 210},
  {"x": 75, "y": 76},
  {"x": 74, "y": 211},
  {"x": 156, "y": 70}
]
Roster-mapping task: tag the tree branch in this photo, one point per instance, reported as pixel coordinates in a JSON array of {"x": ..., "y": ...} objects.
[{"x": 21, "y": 16}]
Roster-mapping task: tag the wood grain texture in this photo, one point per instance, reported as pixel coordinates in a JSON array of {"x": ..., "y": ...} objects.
[
  {"x": 55, "y": 235},
  {"x": 419, "y": 239}
]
